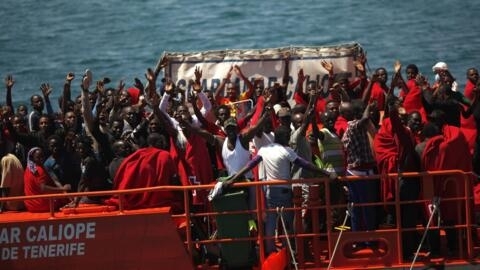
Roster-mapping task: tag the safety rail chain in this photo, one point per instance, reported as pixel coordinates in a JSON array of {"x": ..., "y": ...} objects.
[{"x": 314, "y": 204}]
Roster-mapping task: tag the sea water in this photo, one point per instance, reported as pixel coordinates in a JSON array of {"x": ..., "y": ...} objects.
[{"x": 40, "y": 41}]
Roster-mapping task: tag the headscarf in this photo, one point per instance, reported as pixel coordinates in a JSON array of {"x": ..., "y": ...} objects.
[
  {"x": 12, "y": 178},
  {"x": 30, "y": 163}
]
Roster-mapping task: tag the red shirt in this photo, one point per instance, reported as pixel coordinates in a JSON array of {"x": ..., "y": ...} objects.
[
  {"x": 33, "y": 183},
  {"x": 378, "y": 94}
]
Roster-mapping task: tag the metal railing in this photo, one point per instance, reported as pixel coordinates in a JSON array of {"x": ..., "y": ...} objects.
[{"x": 315, "y": 205}]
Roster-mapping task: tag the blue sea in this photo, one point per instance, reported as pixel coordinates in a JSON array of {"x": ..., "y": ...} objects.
[{"x": 41, "y": 41}]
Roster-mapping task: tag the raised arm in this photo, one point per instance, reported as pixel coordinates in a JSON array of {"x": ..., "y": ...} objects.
[
  {"x": 221, "y": 86},
  {"x": 368, "y": 91},
  {"x": 169, "y": 86},
  {"x": 162, "y": 116},
  {"x": 152, "y": 81},
  {"x": 197, "y": 88},
  {"x": 9, "y": 82},
  {"x": 67, "y": 94},
  {"x": 247, "y": 94},
  {"x": 299, "y": 96},
  {"x": 328, "y": 66},
  {"x": 86, "y": 106},
  {"x": 46, "y": 91},
  {"x": 286, "y": 71},
  {"x": 247, "y": 136}
]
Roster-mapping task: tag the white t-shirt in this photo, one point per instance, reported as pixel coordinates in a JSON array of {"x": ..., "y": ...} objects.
[
  {"x": 235, "y": 159},
  {"x": 277, "y": 160}
]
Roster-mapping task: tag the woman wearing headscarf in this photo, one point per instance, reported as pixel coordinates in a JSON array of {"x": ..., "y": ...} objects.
[{"x": 37, "y": 182}]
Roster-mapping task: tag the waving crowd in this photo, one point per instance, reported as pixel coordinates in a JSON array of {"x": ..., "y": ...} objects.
[{"x": 141, "y": 136}]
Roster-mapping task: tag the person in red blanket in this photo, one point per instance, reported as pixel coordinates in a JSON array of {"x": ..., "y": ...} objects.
[
  {"x": 410, "y": 93},
  {"x": 148, "y": 167},
  {"x": 394, "y": 147},
  {"x": 377, "y": 89},
  {"x": 467, "y": 124},
  {"x": 448, "y": 150}
]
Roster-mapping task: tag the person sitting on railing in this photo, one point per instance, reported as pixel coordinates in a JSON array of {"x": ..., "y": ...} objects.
[
  {"x": 37, "y": 182},
  {"x": 276, "y": 159}
]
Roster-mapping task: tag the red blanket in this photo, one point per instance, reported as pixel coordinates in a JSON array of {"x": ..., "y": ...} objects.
[
  {"x": 386, "y": 153},
  {"x": 147, "y": 167},
  {"x": 448, "y": 152},
  {"x": 193, "y": 165},
  {"x": 468, "y": 125}
]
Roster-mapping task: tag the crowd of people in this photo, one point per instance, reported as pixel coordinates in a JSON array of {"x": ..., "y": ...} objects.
[{"x": 141, "y": 136}]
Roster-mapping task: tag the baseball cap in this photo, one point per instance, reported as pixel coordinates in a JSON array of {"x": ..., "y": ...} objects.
[{"x": 230, "y": 122}]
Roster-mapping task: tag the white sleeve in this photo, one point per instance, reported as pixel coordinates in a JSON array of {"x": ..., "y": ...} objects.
[
  {"x": 164, "y": 102},
  {"x": 291, "y": 155},
  {"x": 206, "y": 104}
]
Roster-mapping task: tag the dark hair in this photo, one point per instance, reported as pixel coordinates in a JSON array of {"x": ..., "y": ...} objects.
[
  {"x": 282, "y": 134},
  {"x": 430, "y": 130},
  {"x": 437, "y": 117},
  {"x": 413, "y": 67},
  {"x": 157, "y": 140},
  {"x": 299, "y": 108},
  {"x": 55, "y": 137},
  {"x": 223, "y": 106},
  {"x": 87, "y": 142}
]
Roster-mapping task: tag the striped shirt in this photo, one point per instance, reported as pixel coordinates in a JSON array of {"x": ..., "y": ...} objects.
[{"x": 332, "y": 153}]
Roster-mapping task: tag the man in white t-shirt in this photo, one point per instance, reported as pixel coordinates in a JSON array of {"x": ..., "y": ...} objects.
[{"x": 277, "y": 160}]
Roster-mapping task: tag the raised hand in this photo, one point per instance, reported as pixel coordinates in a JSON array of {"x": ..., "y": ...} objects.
[
  {"x": 362, "y": 58},
  {"x": 70, "y": 77},
  {"x": 9, "y": 82},
  {"x": 46, "y": 89},
  {"x": 138, "y": 84},
  {"x": 359, "y": 66},
  {"x": 85, "y": 83},
  {"x": 328, "y": 66},
  {"x": 169, "y": 86},
  {"x": 150, "y": 76},
  {"x": 397, "y": 66},
  {"x": 198, "y": 74},
  {"x": 421, "y": 81},
  {"x": 360, "y": 62},
  {"x": 121, "y": 85},
  {"x": 301, "y": 76},
  {"x": 101, "y": 87},
  {"x": 267, "y": 95}
]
